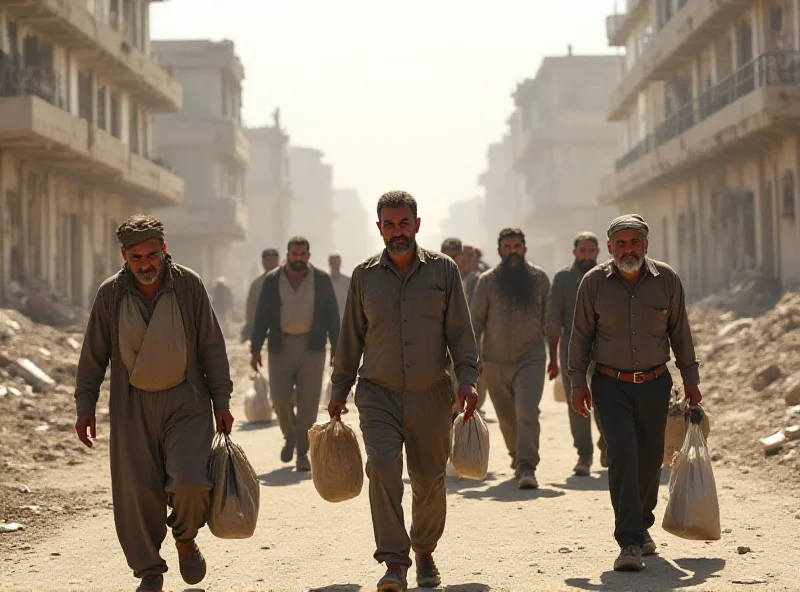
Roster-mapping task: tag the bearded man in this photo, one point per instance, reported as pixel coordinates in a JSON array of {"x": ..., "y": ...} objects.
[
  {"x": 560, "y": 310},
  {"x": 628, "y": 313},
  {"x": 405, "y": 310},
  {"x": 296, "y": 313},
  {"x": 508, "y": 312},
  {"x": 154, "y": 322}
]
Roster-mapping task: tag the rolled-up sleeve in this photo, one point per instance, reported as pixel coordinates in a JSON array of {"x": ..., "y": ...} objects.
[
  {"x": 95, "y": 355},
  {"x": 458, "y": 331},
  {"x": 211, "y": 350},
  {"x": 350, "y": 346},
  {"x": 680, "y": 336},
  {"x": 584, "y": 325}
]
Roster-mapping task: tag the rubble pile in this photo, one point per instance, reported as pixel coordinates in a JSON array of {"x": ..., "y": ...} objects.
[{"x": 41, "y": 304}]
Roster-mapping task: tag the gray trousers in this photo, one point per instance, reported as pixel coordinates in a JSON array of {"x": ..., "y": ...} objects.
[
  {"x": 581, "y": 427},
  {"x": 516, "y": 392},
  {"x": 422, "y": 423},
  {"x": 296, "y": 368},
  {"x": 159, "y": 448}
]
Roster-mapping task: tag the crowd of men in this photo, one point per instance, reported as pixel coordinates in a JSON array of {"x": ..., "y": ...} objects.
[{"x": 420, "y": 334}]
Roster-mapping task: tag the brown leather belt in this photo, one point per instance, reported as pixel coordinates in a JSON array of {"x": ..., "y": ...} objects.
[{"x": 634, "y": 377}]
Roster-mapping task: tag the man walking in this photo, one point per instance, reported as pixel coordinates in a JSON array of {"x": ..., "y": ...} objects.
[
  {"x": 154, "y": 322},
  {"x": 560, "y": 310},
  {"x": 508, "y": 312},
  {"x": 341, "y": 282},
  {"x": 296, "y": 314},
  {"x": 269, "y": 261},
  {"x": 469, "y": 273},
  {"x": 628, "y": 313},
  {"x": 405, "y": 310}
]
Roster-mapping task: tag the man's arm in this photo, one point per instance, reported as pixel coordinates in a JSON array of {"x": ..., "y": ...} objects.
[
  {"x": 211, "y": 350},
  {"x": 332, "y": 317},
  {"x": 95, "y": 355},
  {"x": 584, "y": 324},
  {"x": 350, "y": 345},
  {"x": 458, "y": 330},
  {"x": 479, "y": 307},
  {"x": 261, "y": 319},
  {"x": 555, "y": 315},
  {"x": 680, "y": 336}
]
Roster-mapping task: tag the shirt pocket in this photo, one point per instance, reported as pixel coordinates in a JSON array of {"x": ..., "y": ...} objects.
[
  {"x": 429, "y": 304},
  {"x": 655, "y": 320}
]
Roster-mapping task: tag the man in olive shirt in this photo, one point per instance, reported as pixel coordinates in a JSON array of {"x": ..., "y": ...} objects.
[
  {"x": 405, "y": 309},
  {"x": 508, "y": 311},
  {"x": 629, "y": 311},
  {"x": 560, "y": 310}
]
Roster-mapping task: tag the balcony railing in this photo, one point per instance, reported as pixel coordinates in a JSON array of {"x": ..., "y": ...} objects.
[
  {"x": 19, "y": 81},
  {"x": 770, "y": 69}
]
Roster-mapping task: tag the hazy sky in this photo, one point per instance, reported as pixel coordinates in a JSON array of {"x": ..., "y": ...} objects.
[{"x": 398, "y": 95}]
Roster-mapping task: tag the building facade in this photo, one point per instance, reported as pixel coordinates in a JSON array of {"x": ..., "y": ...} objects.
[
  {"x": 708, "y": 106},
  {"x": 206, "y": 144},
  {"x": 355, "y": 236},
  {"x": 78, "y": 92},
  {"x": 502, "y": 190},
  {"x": 312, "y": 212}
]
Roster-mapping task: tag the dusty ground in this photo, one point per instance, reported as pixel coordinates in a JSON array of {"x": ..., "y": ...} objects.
[{"x": 497, "y": 537}]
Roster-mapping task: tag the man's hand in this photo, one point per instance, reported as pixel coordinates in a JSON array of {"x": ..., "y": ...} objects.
[
  {"x": 336, "y": 410},
  {"x": 224, "y": 421},
  {"x": 467, "y": 394},
  {"x": 582, "y": 400},
  {"x": 86, "y": 427},
  {"x": 692, "y": 392},
  {"x": 552, "y": 369},
  {"x": 255, "y": 362}
]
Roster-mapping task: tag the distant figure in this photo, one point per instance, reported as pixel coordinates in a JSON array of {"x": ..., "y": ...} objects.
[
  {"x": 480, "y": 265},
  {"x": 222, "y": 300},
  {"x": 469, "y": 273},
  {"x": 269, "y": 261},
  {"x": 341, "y": 282}
]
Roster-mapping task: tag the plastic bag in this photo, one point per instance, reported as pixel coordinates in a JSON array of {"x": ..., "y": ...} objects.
[
  {"x": 336, "y": 463},
  {"x": 470, "y": 455},
  {"x": 677, "y": 424},
  {"x": 693, "y": 508},
  {"x": 257, "y": 406},
  {"x": 235, "y": 496},
  {"x": 558, "y": 390}
]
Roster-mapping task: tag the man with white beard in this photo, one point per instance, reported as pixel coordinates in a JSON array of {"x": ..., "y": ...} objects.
[{"x": 628, "y": 313}]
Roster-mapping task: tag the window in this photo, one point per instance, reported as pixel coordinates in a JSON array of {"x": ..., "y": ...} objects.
[
  {"x": 85, "y": 96},
  {"x": 115, "y": 115},
  {"x": 101, "y": 106},
  {"x": 133, "y": 129},
  {"x": 788, "y": 196}
]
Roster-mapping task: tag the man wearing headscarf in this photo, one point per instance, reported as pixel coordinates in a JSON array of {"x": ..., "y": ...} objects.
[
  {"x": 629, "y": 312},
  {"x": 153, "y": 321}
]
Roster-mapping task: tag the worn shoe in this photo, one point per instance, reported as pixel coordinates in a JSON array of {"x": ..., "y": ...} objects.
[
  {"x": 192, "y": 563},
  {"x": 630, "y": 559},
  {"x": 527, "y": 480},
  {"x": 287, "y": 452},
  {"x": 604, "y": 459},
  {"x": 584, "y": 466},
  {"x": 649, "y": 546},
  {"x": 154, "y": 583},
  {"x": 303, "y": 465},
  {"x": 427, "y": 573},
  {"x": 394, "y": 580}
]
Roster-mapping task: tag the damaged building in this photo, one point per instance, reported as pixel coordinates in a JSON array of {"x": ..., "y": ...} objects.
[{"x": 708, "y": 104}]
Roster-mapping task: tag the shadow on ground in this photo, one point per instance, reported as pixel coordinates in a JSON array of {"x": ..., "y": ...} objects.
[
  {"x": 453, "y": 588},
  {"x": 507, "y": 491},
  {"x": 253, "y": 427},
  {"x": 283, "y": 477},
  {"x": 659, "y": 575}
]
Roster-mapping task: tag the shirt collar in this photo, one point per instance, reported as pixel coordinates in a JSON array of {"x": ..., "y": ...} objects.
[{"x": 386, "y": 262}]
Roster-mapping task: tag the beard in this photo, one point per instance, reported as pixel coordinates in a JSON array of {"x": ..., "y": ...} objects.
[
  {"x": 585, "y": 266},
  {"x": 629, "y": 262},
  {"x": 515, "y": 281},
  {"x": 400, "y": 245},
  {"x": 298, "y": 265},
  {"x": 149, "y": 276}
]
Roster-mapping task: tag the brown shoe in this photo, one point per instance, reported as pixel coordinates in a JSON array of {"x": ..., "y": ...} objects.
[
  {"x": 192, "y": 562},
  {"x": 394, "y": 580},
  {"x": 427, "y": 573},
  {"x": 649, "y": 546},
  {"x": 630, "y": 559},
  {"x": 584, "y": 466},
  {"x": 152, "y": 583}
]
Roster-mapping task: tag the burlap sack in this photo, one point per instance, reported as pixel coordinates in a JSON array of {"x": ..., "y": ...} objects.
[
  {"x": 257, "y": 406},
  {"x": 336, "y": 463},
  {"x": 558, "y": 390},
  {"x": 677, "y": 424},
  {"x": 470, "y": 455},
  {"x": 693, "y": 509},
  {"x": 235, "y": 496}
]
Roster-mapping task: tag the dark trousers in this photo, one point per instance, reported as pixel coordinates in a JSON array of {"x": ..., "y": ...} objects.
[{"x": 634, "y": 417}]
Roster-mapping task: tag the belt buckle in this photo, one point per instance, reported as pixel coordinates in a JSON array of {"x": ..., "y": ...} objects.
[{"x": 638, "y": 377}]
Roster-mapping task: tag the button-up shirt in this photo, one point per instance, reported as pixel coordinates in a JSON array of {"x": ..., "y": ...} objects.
[
  {"x": 631, "y": 328},
  {"x": 404, "y": 327},
  {"x": 297, "y": 304},
  {"x": 561, "y": 304},
  {"x": 510, "y": 333}
]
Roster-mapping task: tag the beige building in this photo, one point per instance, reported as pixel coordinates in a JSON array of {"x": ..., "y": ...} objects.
[
  {"x": 206, "y": 145},
  {"x": 502, "y": 192},
  {"x": 708, "y": 104},
  {"x": 78, "y": 91},
  {"x": 312, "y": 212},
  {"x": 355, "y": 236},
  {"x": 562, "y": 146}
]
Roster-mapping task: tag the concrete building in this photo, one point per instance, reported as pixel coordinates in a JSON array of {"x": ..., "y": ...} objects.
[
  {"x": 564, "y": 142},
  {"x": 464, "y": 221},
  {"x": 206, "y": 145},
  {"x": 502, "y": 190},
  {"x": 355, "y": 236},
  {"x": 312, "y": 212},
  {"x": 708, "y": 104},
  {"x": 78, "y": 91}
]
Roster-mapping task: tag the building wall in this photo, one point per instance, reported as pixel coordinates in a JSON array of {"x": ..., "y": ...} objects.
[{"x": 312, "y": 212}]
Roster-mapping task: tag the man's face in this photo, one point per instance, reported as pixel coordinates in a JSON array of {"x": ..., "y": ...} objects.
[
  {"x": 468, "y": 261},
  {"x": 455, "y": 255},
  {"x": 297, "y": 257},
  {"x": 146, "y": 260},
  {"x": 335, "y": 262},
  {"x": 586, "y": 254},
  {"x": 269, "y": 262},
  {"x": 399, "y": 229},
  {"x": 628, "y": 248},
  {"x": 512, "y": 250}
]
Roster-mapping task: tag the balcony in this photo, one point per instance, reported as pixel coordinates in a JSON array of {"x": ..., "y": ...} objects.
[
  {"x": 100, "y": 48},
  {"x": 761, "y": 99},
  {"x": 678, "y": 42},
  {"x": 620, "y": 26},
  {"x": 224, "y": 134},
  {"x": 222, "y": 218}
]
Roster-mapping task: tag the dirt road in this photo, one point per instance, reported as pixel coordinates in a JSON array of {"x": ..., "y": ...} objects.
[{"x": 497, "y": 537}]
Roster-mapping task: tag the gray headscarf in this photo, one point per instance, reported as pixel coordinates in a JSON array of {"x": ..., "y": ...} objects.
[
  {"x": 629, "y": 222},
  {"x": 139, "y": 228}
]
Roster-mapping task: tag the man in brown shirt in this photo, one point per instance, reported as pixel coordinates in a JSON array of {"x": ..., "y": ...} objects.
[
  {"x": 508, "y": 312},
  {"x": 629, "y": 311},
  {"x": 560, "y": 310},
  {"x": 406, "y": 308},
  {"x": 269, "y": 261},
  {"x": 153, "y": 321}
]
